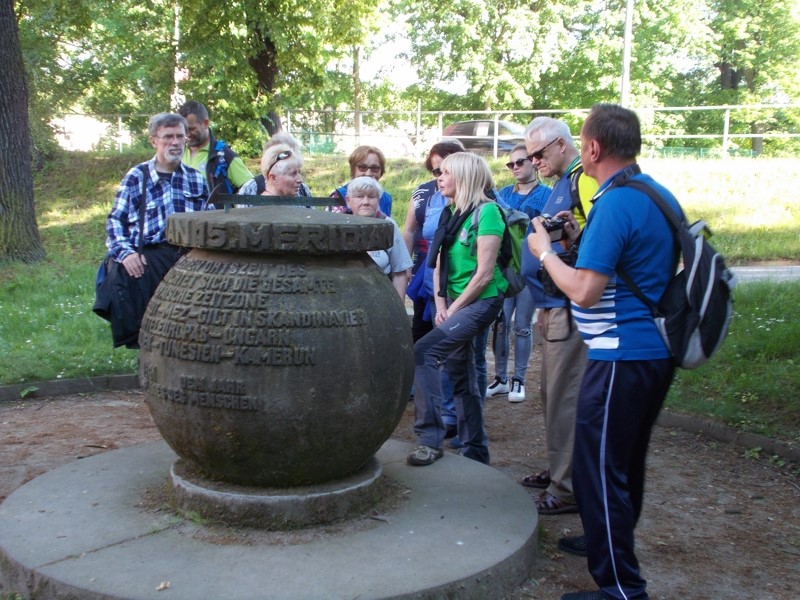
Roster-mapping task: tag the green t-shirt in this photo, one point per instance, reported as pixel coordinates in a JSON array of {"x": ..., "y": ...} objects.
[
  {"x": 462, "y": 260},
  {"x": 238, "y": 173}
]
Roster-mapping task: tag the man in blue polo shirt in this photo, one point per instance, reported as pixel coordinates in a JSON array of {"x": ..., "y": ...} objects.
[
  {"x": 629, "y": 370},
  {"x": 553, "y": 152}
]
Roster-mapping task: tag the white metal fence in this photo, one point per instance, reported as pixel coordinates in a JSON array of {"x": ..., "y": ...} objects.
[{"x": 724, "y": 130}]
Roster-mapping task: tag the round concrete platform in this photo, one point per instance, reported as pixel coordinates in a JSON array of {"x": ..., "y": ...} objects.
[{"x": 465, "y": 531}]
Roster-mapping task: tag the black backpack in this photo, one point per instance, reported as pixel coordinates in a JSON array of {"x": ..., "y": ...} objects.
[{"x": 695, "y": 310}]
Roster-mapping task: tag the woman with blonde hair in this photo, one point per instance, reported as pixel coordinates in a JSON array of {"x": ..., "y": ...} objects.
[
  {"x": 281, "y": 167},
  {"x": 469, "y": 291},
  {"x": 257, "y": 186}
]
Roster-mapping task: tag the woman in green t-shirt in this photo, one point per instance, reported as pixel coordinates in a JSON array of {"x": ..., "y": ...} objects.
[{"x": 468, "y": 288}]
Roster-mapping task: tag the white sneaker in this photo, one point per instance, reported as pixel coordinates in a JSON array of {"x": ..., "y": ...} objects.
[
  {"x": 498, "y": 387},
  {"x": 517, "y": 392}
]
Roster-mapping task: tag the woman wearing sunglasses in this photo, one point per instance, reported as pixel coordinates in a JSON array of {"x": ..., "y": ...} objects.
[
  {"x": 365, "y": 161},
  {"x": 468, "y": 288},
  {"x": 425, "y": 207},
  {"x": 425, "y": 200},
  {"x": 529, "y": 196}
]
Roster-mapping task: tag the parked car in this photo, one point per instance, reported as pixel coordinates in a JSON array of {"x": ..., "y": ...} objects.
[{"x": 478, "y": 136}]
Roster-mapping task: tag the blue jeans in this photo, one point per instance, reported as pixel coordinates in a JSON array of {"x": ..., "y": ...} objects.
[
  {"x": 453, "y": 343},
  {"x": 521, "y": 307},
  {"x": 449, "y": 415},
  {"x": 481, "y": 341}
]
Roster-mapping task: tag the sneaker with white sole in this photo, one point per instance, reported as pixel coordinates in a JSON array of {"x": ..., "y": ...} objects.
[
  {"x": 424, "y": 455},
  {"x": 517, "y": 391},
  {"x": 497, "y": 388}
]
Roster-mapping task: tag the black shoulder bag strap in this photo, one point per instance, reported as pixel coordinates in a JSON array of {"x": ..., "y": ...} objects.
[
  {"x": 143, "y": 206},
  {"x": 445, "y": 236}
]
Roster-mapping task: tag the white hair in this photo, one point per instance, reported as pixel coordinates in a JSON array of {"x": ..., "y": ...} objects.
[
  {"x": 548, "y": 128},
  {"x": 364, "y": 185}
]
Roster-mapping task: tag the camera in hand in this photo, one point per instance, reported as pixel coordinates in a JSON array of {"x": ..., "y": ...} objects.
[{"x": 554, "y": 226}]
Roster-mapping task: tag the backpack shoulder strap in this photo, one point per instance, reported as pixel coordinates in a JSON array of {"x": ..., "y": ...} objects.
[
  {"x": 476, "y": 217},
  {"x": 574, "y": 192},
  {"x": 672, "y": 218},
  {"x": 505, "y": 251},
  {"x": 261, "y": 184}
]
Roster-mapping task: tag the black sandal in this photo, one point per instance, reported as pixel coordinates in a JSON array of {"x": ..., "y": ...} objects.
[{"x": 540, "y": 480}]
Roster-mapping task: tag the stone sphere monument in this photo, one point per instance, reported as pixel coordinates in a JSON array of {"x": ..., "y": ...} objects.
[
  {"x": 275, "y": 353},
  {"x": 276, "y": 361}
]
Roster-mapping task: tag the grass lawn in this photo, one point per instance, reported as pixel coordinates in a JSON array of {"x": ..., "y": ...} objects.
[{"x": 49, "y": 331}]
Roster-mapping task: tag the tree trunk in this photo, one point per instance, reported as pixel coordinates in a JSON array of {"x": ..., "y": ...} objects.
[
  {"x": 357, "y": 92},
  {"x": 19, "y": 234},
  {"x": 758, "y": 142},
  {"x": 266, "y": 68}
]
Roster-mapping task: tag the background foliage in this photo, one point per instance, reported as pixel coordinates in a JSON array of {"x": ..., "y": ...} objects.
[{"x": 251, "y": 60}]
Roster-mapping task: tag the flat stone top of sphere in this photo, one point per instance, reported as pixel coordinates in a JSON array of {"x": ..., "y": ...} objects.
[{"x": 279, "y": 230}]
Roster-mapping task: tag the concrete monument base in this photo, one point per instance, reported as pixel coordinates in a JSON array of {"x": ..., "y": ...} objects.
[
  {"x": 463, "y": 530},
  {"x": 275, "y": 508}
]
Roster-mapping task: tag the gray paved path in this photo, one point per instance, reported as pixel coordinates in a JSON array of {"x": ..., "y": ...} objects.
[{"x": 775, "y": 273}]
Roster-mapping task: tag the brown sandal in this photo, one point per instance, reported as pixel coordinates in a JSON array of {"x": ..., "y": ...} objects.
[
  {"x": 547, "y": 504},
  {"x": 540, "y": 480}
]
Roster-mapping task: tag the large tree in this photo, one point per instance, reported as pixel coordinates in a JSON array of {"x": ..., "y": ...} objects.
[
  {"x": 254, "y": 59},
  {"x": 495, "y": 49},
  {"x": 559, "y": 54},
  {"x": 758, "y": 59},
  {"x": 248, "y": 60},
  {"x": 19, "y": 233}
]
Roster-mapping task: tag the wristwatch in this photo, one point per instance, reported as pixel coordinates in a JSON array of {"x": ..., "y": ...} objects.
[{"x": 545, "y": 254}]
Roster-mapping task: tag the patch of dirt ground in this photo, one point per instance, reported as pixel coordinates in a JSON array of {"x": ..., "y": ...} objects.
[{"x": 715, "y": 524}]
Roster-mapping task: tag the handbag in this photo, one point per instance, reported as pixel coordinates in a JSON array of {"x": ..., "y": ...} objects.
[{"x": 102, "y": 290}]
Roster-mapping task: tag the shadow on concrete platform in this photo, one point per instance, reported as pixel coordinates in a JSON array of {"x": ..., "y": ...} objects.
[{"x": 465, "y": 530}]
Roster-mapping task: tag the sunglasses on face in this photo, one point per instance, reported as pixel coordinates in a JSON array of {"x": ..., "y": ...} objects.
[
  {"x": 282, "y": 156},
  {"x": 516, "y": 163},
  {"x": 539, "y": 154},
  {"x": 437, "y": 172},
  {"x": 369, "y": 168}
]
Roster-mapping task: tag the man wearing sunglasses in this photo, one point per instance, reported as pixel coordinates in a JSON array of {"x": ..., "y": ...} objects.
[
  {"x": 552, "y": 151},
  {"x": 529, "y": 196},
  {"x": 630, "y": 368}
]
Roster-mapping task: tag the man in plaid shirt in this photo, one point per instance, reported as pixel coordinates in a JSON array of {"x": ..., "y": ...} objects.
[
  {"x": 168, "y": 186},
  {"x": 137, "y": 240}
]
